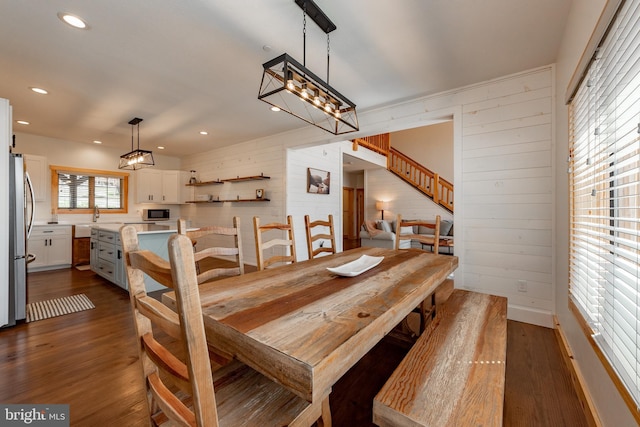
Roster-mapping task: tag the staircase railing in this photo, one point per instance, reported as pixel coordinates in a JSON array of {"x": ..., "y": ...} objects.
[
  {"x": 418, "y": 176},
  {"x": 378, "y": 143},
  {"x": 426, "y": 181}
]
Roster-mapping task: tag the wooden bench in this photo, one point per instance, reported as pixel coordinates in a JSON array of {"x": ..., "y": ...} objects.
[{"x": 454, "y": 374}]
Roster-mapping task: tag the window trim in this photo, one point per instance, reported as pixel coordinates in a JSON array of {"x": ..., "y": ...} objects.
[
  {"x": 617, "y": 382},
  {"x": 55, "y": 170}
]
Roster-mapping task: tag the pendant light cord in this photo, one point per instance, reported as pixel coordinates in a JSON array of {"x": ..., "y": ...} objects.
[
  {"x": 328, "y": 50},
  {"x": 304, "y": 41},
  {"x": 304, "y": 35}
]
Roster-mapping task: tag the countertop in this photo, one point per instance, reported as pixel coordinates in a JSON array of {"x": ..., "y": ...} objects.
[{"x": 142, "y": 227}]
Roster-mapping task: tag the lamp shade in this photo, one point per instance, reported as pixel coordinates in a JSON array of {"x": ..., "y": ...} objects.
[{"x": 382, "y": 206}]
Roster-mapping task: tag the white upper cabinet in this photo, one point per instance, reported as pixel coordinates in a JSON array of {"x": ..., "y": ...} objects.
[
  {"x": 161, "y": 186},
  {"x": 37, "y": 169}
]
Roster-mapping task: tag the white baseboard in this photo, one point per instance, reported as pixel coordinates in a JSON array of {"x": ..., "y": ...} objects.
[{"x": 530, "y": 315}]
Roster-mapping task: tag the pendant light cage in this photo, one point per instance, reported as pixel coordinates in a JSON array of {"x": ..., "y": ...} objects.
[
  {"x": 291, "y": 87},
  {"x": 136, "y": 159}
]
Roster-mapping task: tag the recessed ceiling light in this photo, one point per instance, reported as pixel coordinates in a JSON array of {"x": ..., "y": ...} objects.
[
  {"x": 160, "y": 147},
  {"x": 97, "y": 142},
  {"x": 274, "y": 108},
  {"x": 39, "y": 90},
  {"x": 204, "y": 132},
  {"x": 22, "y": 122},
  {"x": 73, "y": 20}
]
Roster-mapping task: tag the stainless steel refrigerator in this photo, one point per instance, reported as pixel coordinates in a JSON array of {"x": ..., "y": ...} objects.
[{"x": 21, "y": 214}]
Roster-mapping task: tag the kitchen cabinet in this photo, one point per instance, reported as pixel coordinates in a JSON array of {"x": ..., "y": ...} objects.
[
  {"x": 80, "y": 251},
  {"x": 93, "y": 255},
  {"x": 39, "y": 174},
  {"x": 161, "y": 186},
  {"x": 120, "y": 274},
  {"x": 52, "y": 247},
  {"x": 106, "y": 256}
]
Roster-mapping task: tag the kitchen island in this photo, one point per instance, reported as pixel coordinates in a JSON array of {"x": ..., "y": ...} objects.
[{"x": 107, "y": 258}]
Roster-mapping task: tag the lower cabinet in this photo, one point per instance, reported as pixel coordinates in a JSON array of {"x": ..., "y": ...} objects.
[
  {"x": 81, "y": 251},
  {"x": 121, "y": 271},
  {"x": 51, "y": 246},
  {"x": 106, "y": 256}
]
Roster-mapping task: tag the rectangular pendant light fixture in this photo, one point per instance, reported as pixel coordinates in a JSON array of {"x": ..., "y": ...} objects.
[
  {"x": 136, "y": 159},
  {"x": 291, "y": 87}
]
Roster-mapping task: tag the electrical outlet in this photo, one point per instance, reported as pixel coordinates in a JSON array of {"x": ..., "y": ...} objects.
[{"x": 522, "y": 286}]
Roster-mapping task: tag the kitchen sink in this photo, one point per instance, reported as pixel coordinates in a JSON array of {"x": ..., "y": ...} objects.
[{"x": 82, "y": 230}]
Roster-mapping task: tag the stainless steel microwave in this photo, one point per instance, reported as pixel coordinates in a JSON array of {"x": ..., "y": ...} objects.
[{"x": 155, "y": 214}]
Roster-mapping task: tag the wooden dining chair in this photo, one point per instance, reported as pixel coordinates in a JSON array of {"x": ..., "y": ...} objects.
[
  {"x": 309, "y": 226},
  {"x": 206, "y": 241},
  {"x": 427, "y": 308},
  {"x": 181, "y": 387},
  {"x": 288, "y": 244},
  {"x": 433, "y": 241}
]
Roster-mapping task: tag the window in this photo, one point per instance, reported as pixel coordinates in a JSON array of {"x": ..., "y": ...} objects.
[
  {"x": 80, "y": 190},
  {"x": 605, "y": 201}
]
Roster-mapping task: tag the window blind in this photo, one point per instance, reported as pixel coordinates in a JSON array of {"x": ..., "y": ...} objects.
[
  {"x": 83, "y": 191},
  {"x": 605, "y": 197}
]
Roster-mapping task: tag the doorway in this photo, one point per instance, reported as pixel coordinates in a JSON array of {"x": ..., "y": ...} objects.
[
  {"x": 352, "y": 216},
  {"x": 348, "y": 212}
]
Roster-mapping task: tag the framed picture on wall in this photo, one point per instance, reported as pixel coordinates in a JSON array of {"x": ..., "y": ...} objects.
[{"x": 318, "y": 181}]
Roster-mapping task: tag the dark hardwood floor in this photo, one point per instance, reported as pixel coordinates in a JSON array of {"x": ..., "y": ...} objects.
[{"x": 89, "y": 361}]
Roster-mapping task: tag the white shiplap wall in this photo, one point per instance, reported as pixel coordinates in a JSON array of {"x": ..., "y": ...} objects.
[
  {"x": 251, "y": 159},
  {"x": 507, "y": 193},
  {"x": 317, "y": 206},
  {"x": 503, "y": 167}
]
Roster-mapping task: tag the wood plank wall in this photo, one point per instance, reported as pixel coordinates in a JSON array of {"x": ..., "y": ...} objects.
[
  {"x": 252, "y": 159},
  {"x": 504, "y": 173}
]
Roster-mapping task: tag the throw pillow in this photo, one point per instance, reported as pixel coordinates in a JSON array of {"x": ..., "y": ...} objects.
[
  {"x": 426, "y": 230},
  {"x": 384, "y": 226},
  {"x": 406, "y": 230},
  {"x": 445, "y": 227}
]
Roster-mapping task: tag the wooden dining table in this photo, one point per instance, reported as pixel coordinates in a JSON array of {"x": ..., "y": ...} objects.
[{"x": 304, "y": 326}]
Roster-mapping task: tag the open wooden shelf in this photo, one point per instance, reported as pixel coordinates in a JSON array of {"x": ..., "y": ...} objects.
[
  {"x": 228, "y": 200},
  {"x": 203, "y": 183},
  {"x": 260, "y": 177},
  {"x": 247, "y": 178}
]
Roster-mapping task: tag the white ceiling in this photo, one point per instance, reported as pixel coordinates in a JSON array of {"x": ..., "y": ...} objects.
[{"x": 191, "y": 65}]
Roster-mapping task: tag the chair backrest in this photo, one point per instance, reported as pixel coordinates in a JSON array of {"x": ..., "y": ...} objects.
[
  {"x": 199, "y": 238},
  {"x": 433, "y": 241},
  {"x": 309, "y": 225},
  {"x": 289, "y": 242},
  {"x": 162, "y": 367}
]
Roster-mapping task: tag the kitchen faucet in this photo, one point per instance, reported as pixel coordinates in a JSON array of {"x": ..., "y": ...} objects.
[{"x": 96, "y": 213}]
